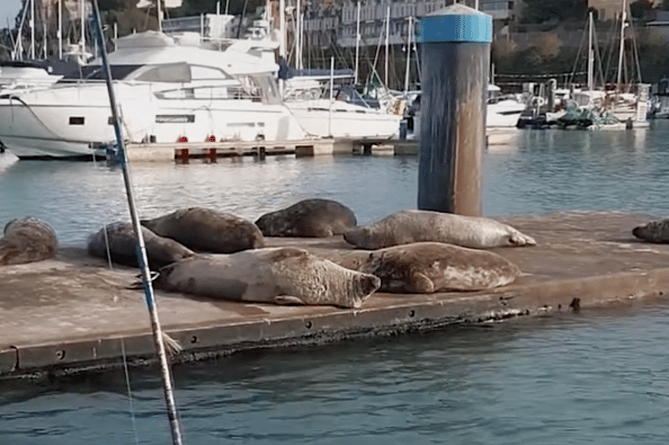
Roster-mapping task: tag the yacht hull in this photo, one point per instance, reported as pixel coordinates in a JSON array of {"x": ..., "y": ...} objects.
[{"x": 75, "y": 122}]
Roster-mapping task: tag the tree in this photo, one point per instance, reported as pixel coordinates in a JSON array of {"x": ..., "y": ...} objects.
[
  {"x": 539, "y": 11},
  {"x": 640, "y": 8}
]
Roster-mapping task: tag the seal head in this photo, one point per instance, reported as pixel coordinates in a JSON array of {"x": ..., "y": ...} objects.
[
  {"x": 121, "y": 240},
  {"x": 654, "y": 231},
  {"x": 27, "y": 240}
]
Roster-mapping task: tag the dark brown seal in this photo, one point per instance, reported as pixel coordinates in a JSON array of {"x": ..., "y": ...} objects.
[
  {"x": 654, "y": 231},
  {"x": 413, "y": 226},
  {"x": 273, "y": 275},
  {"x": 27, "y": 240},
  {"x": 207, "y": 230},
  {"x": 122, "y": 241},
  {"x": 315, "y": 218}
]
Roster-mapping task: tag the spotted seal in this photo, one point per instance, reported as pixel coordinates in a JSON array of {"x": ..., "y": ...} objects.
[
  {"x": 411, "y": 226},
  {"x": 429, "y": 267},
  {"x": 27, "y": 240},
  {"x": 654, "y": 231},
  {"x": 206, "y": 230},
  {"x": 274, "y": 275},
  {"x": 315, "y": 218},
  {"x": 122, "y": 241}
]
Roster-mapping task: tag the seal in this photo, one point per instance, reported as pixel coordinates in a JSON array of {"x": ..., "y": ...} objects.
[
  {"x": 314, "y": 218},
  {"x": 122, "y": 241},
  {"x": 654, "y": 231},
  {"x": 206, "y": 230},
  {"x": 429, "y": 267},
  {"x": 412, "y": 226},
  {"x": 27, "y": 240},
  {"x": 283, "y": 275}
]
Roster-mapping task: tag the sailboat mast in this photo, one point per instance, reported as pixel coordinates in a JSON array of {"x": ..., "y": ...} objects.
[
  {"x": 83, "y": 30},
  {"x": 32, "y": 29},
  {"x": 387, "y": 38},
  {"x": 282, "y": 29},
  {"x": 60, "y": 29},
  {"x": 591, "y": 53},
  {"x": 357, "y": 43},
  {"x": 621, "y": 53},
  {"x": 298, "y": 37},
  {"x": 406, "y": 72},
  {"x": 160, "y": 16}
]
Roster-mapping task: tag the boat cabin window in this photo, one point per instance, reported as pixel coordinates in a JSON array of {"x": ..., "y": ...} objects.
[
  {"x": 95, "y": 72},
  {"x": 172, "y": 72},
  {"x": 206, "y": 73}
]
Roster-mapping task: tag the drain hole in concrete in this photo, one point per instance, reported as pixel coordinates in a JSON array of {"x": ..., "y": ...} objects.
[
  {"x": 412, "y": 313},
  {"x": 308, "y": 324},
  {"x": 60, "y": 354},
  {"x": 193, "y": 339}
]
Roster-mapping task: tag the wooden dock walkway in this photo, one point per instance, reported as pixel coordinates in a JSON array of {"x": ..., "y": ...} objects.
[{"x": 73, "y": 313}]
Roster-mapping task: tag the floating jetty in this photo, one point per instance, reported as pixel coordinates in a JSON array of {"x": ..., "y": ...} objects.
[
  {"x": 75, "y": 314},
  {"x": 184, "y": 151}
]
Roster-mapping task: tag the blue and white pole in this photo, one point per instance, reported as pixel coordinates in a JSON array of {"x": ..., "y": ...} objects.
[{"x": 455, "y": 52}]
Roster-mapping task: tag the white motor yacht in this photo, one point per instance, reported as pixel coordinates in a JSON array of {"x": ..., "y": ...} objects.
[{"x": 167, "y": 91}]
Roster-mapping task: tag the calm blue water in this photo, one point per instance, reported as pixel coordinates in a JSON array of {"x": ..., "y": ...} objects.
[{"x": 600, "y": 376}]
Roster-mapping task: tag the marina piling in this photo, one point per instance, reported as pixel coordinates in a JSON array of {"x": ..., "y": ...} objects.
[{"x": 455, "y": 46}]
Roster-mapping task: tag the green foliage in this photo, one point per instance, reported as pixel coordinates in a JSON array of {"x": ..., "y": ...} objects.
[
  {"x": 540, "y": 11},
  {"x": 653, "y": 56},
  {"x": 640, "y": 8}
]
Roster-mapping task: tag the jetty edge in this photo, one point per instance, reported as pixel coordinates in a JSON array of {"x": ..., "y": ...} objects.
[{"x": 73, "y": 314}]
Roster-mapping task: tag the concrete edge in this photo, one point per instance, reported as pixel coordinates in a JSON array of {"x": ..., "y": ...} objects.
[{"x": 427, "y": 313}]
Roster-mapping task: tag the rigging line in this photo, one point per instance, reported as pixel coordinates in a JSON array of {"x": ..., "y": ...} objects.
[{"x": 130, "y": 400}]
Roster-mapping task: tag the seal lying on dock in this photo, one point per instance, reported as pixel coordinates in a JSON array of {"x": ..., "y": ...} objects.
[
  {"x": 207, "y": 230},
  {"x": 412, "y": 226},
  {"x": 315, "y": 218},
  {"x": 654, "y": 231},
  {"x": 427, "y": 267},
  {"x": 274, "y": 275},
  {"x": 27, "y": 240},
  {"x": 122, "y": 241}
]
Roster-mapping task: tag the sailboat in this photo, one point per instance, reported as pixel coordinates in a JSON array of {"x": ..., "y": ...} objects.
[{"x": 597, "y": 107}]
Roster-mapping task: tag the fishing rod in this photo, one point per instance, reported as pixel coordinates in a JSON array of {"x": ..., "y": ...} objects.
[{"x": 175, "y": 426}]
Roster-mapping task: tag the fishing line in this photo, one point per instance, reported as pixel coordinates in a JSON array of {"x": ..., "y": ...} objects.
[{"x": 130, "y": 400}]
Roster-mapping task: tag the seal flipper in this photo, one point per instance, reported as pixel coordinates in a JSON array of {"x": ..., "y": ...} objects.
[
  {"x": 421, "y": 284},
  {"x": 520, "y": 239},
  {"x": 288, "y": 300}
]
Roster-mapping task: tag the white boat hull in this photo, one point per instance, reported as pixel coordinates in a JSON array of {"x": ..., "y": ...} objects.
[
  {"x": 75, "y": 121},
  {"x": 344, "y": 120}
]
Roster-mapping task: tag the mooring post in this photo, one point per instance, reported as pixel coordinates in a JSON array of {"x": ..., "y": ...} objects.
[{"x": 455, "y": 53}]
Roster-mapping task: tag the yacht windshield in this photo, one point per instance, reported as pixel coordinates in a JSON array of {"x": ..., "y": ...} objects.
[{"x": 94, "y": 72}]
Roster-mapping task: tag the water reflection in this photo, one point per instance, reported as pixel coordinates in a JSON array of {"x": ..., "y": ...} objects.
[{"x": 546, "y": 171}]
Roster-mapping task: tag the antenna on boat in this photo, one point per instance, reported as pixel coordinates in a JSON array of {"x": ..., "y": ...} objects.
[{"x": 141, "y": 254}]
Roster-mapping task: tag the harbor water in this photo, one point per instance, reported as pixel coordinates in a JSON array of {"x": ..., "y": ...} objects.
[{"x": 597, "y": 376}]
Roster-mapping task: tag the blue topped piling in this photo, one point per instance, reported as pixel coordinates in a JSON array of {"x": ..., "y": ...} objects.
[{"x": 455, "y": 51}]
